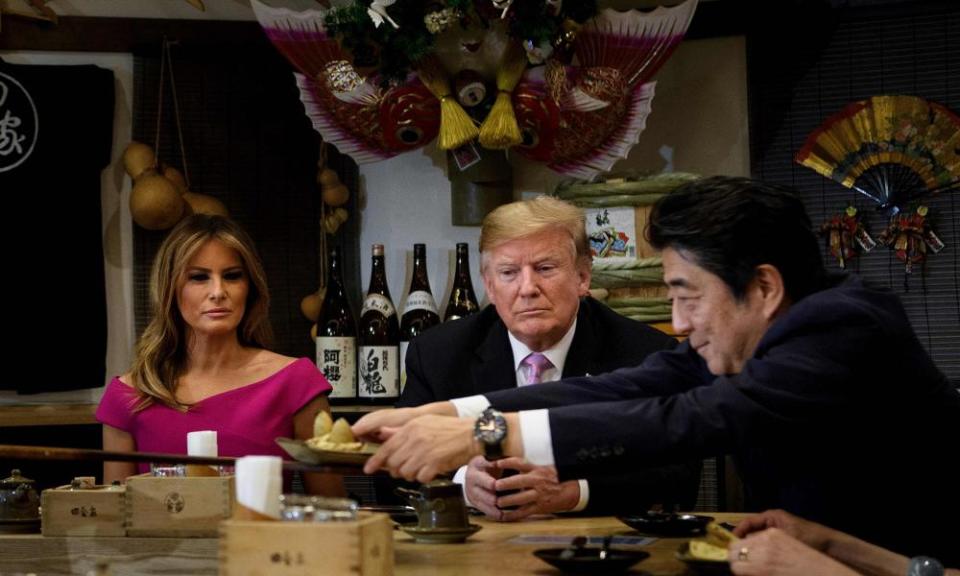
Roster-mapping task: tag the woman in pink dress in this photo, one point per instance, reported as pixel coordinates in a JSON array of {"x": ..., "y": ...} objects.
[{"x": 203, "y": 364}]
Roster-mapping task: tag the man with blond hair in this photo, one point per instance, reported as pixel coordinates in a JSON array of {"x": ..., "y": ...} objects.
[{"x": 541, "y": 326}]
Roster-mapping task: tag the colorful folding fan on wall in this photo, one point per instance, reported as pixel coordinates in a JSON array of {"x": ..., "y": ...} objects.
[{"x": 892, "y": 149}]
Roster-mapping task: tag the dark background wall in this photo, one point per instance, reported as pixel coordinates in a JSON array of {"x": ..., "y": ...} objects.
[
  {"x": 836, "y": 53},
  {"x": 249, "y": 144}
]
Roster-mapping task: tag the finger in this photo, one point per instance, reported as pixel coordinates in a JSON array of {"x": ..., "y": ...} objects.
[
  {"x": 427, "y": 473},
  {"x": 518, "y": 482},
  {"x": 488, "y": 510},
  {"x": 481, "y": 480},
  {"x": 368, "y": 424},
  {"x": 750, "y": 524},
  {"x": 514, "y": 463},
  {"x": 376, "y": 462},
  {"x": 485, "y": 500},
  {"x": 387, "y": 432},
  {"x": 518, "y": 514},
  {"x": 401, "y": 461},
  {"x": 522, "y": 498},
  {"x": 482, "y": 464},
  {"x": 407, "y": 465}
]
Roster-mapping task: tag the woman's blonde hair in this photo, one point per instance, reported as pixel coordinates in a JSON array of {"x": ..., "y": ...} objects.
[
  {"x": 161, "y": 353},
  {"x": 528, "y": 217}
]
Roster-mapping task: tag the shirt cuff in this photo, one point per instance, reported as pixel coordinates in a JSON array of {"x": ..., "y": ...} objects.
[
  {"x": 461, "y": 478},
  {"x": 537, "y": 440},
  {"x": 470, "y": 406},
  {"x": 584, "y": 496}
]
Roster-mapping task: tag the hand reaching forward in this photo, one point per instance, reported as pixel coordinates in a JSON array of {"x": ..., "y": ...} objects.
[
  {"x": 368, "y": 428},
  {"x": 810, "y": 533},
  {"x": 773, "y": 552},
  {"x": 423, "y": 447},
  {"x": 538, "y": 490}
]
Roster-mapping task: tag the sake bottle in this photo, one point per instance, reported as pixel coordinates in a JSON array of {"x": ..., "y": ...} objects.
[
  {"x": 463, "y": 300},
  {"x": 378, "y": 358},
  {"x": 337, "y": 337},
  {"x": 420, "y": 309}
]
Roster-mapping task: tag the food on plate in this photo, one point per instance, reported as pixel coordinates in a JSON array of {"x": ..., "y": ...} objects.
[
  {"x": 714, "y": 546},
  {"x": 706, "y": 550},
  {"x": 334, "y": 436},
  {"x": 322, "y": 424}
]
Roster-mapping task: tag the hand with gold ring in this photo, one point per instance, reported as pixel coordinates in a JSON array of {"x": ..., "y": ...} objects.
[
  {"x": 817, "y": 536},
  {"x": 773, "y": 552}
]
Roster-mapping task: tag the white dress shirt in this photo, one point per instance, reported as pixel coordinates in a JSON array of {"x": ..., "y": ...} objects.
[{"x": 537, "y": 440}]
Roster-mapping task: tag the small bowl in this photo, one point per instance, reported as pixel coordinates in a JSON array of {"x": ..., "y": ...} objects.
[
  {"x": 587, "y": 560},
  {"x": 667, "y": 524}
]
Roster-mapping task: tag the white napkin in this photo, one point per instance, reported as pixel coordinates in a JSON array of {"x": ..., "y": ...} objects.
[
  {"x": 259, "y": 483},
  {"x": 202, "y": 443}
]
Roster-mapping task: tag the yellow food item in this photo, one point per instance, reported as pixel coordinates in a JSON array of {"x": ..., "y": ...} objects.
[
  {"x": 341, "y": 432},
  {"x": 324, "y": 443},
  {"x": 333, "y": 436},
  {"x": 706, "y": 550},
  {"x": 714, "y": 546},
  {"x": 719, "y": 535},
  {"x": 322, "y": 423}
]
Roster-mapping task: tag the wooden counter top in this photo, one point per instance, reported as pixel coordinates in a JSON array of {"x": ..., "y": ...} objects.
[
  {"x": 73, "y": 414},
  {"x": 489, "y": 552},
  {"x": 47, "y": 415}
]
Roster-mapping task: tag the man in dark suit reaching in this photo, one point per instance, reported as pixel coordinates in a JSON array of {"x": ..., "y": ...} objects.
[
  {"x": 817, "y": 385},
  {"x": 541, "y": 326}
]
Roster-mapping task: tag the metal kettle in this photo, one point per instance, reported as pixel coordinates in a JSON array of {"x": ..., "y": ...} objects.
[{"x": 18, "y": 498}]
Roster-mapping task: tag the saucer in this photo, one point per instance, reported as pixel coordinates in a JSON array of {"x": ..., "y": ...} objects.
[
  {"x": 588, "y": 561},
  {"x": 667, "y": 524},
  {"x": 440, "y": 535}
]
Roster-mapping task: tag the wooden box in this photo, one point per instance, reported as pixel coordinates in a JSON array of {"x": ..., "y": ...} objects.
[
  {"x": 363, "y": 547},
  {"x": 178, "y": 507},
  {"x": 97, "y": 511}
]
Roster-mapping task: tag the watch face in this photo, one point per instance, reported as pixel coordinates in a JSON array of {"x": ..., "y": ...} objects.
[{"x": 491, "y": 428}]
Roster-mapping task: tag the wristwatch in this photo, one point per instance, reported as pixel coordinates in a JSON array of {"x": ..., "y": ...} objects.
[
  {"x": 491, "y": 430},
  {"x": 924, "y": 566}
]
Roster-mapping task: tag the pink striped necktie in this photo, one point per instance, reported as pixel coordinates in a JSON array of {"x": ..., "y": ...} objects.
[{"x": 536, "y": 363}]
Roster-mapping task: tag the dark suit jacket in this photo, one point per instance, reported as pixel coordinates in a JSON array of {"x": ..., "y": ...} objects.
[
  {"x": 839, "y": 414},
  {"x": 473, "y": 356}
]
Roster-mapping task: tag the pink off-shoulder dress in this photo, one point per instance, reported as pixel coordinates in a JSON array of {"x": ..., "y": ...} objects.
[{"x": 247, "y": 419}]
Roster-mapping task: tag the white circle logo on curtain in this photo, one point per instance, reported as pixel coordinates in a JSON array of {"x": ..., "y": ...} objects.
[{"x": 19, "y": 123}]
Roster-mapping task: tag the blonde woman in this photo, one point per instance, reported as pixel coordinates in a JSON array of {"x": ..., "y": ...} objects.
[{"x": 202, "y": 363}]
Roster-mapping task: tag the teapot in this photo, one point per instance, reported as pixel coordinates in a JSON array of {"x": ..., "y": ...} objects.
[
  {"x": 18, "y": 498},
  {"x": 438, "y": 503}
]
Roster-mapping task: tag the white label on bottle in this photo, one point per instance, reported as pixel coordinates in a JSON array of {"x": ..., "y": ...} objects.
[
  {"x": 375, "y": 301},
  {"x": 379, "y": 372},
  {"x": 337, "y": 359},
  {"x": 420, "y": 300},
  {"x": 403, "y": 364}
]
